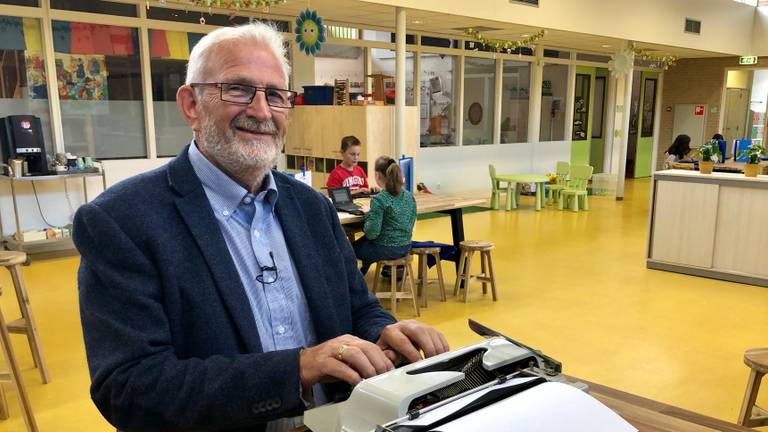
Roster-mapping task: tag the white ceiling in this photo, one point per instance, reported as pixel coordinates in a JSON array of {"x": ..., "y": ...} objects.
[{"x": 371, "y": 15}]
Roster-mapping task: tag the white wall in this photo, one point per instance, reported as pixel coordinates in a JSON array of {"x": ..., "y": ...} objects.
[
  {"x": 464, "y": 169},
  {"x": 726, "y": 25},
  {"x": 760, "y": 33}
]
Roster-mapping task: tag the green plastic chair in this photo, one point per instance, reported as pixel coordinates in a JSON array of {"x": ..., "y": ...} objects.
[
  {"x": 563, "y": 170},
  {"x": 496, "y": 187},
  {"x": 575, "y": 195}
]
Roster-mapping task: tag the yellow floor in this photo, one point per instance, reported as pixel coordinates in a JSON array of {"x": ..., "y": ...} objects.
[{"x": 572, "y": 285}]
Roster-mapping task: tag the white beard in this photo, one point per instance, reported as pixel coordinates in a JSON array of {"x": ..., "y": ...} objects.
[{"x": 235, "y": 154}]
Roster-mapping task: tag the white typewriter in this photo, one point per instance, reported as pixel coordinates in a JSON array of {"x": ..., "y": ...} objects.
[{"x": 497, "y": 384}]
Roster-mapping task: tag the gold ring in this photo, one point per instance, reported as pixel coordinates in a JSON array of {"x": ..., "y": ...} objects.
[{"x": 340, "y": 352}]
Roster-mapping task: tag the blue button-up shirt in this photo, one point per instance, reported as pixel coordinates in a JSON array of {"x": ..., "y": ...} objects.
[{"x": 255, "y": 241}]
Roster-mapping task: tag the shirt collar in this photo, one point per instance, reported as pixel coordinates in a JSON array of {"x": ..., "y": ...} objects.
[{"x": 225, "y": 194}]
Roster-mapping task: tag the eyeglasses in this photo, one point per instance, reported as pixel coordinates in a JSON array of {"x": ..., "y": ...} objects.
[
  {"x": 264, "y": 269},
  {"x": 243, "y": 94}
]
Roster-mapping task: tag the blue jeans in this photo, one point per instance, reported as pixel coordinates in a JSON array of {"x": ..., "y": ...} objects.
[{"x": 369, "y": 252}]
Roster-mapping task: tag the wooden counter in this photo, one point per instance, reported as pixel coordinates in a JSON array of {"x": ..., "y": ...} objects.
[{"x": 711, "y": 225}]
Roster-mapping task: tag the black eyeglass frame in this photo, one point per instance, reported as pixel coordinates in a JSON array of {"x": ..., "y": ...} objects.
[
  {"x": 263, "y": 269},
  {"x": 221, "y": 85}
]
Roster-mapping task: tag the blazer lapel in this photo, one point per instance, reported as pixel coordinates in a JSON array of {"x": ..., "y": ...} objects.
[
  {"x": 301, "y": 247},
  {"x": 196, "y": 212}
]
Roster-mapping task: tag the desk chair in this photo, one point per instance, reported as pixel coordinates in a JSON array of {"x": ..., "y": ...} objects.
[
  {"x": 24, "y": 325},
  {"x": 393, "y": 293},
  {"x": 575, "y": 195},
  {"x": 496, "y": 188},
  {"x": 562, "y": 171},
  {"x": 752, "y": 415}
]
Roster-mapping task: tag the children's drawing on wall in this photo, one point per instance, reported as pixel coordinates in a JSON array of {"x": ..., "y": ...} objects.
[
  {"x": 36, "y": 80},
  {"x": 81, "y": 77}
]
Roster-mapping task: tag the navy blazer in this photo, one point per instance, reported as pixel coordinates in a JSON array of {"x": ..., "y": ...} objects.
[{"x": 170, "y": 336}]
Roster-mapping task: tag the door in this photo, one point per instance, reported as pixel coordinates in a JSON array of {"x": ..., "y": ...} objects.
[
  {"x": 646, "y": 125},
  {"x": 736, "y": 107},
  {"x": 634, "y": 118},
  {"x": 597, "y": 148}
]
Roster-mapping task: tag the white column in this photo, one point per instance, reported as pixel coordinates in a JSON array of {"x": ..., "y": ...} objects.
[
  {"x": 399, "y": 82},
  {"x": 534, "y": 102},
  {"x": 146, "y": 82},
  {"x": 623, "y": 142},
  {"x": 57, "y": 130},
  {"x": 497, "y": 101},
  {"x": 610, "y": 124}
]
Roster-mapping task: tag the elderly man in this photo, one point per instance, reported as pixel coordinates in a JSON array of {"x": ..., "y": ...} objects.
[{"x": 217, "y": 294}]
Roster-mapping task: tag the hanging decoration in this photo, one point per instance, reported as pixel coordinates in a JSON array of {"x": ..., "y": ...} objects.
[
  {"x": 310, "y": 31},
  {"x": 621, "y": 62},
  {"x": 236, "y": 4},
  {"x": 504, "y": 45},
  {"x": 657, "y": 61}
]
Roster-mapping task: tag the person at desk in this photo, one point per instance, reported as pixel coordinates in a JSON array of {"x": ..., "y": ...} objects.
[
  {"x": 679, "y": 150},
  {"x": 216, "y": 293},
  {"x": 348, "y": 173},
  {"x": 388, "y": 225}
]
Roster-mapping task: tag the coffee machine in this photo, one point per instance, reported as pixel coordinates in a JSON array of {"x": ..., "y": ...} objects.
[{"x": 21, "y": 137}]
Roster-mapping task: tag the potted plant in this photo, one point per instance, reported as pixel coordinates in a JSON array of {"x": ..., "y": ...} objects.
[
  {"x": 710, "y": 153},
  {"x": 753, "y": 154}
]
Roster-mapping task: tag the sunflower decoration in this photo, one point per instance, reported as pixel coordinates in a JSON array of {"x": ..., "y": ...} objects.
[{"x": 310, "y": 31}]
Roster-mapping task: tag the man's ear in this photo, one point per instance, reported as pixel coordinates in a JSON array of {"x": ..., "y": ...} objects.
[{"x": 188, "y": 106}]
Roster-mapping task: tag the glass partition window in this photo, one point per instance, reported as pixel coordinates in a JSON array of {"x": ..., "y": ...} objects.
[
  {"x": 479, "y": 86},
  {"x": 383, "y": 62},
  {"x": 33, "y": 3},
  {"x": 437, "y": 110},
  {"x": 554, "y": 91},
  {"x": 334, "y": 62},
  {"x": 515, "y": 97},
  {"x": 169, "y": 53},
  {"x": 99, "y": 84},
  {"x": 23, "y": 79},
  {"x": 581, "y": 107},
  {"x": 649, "y": 107}
]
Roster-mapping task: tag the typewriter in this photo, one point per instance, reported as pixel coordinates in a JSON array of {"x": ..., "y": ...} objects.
[{"x": 433, "y": 393}]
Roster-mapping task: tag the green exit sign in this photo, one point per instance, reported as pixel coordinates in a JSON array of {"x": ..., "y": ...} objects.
[{"x": 747, "y": 60}]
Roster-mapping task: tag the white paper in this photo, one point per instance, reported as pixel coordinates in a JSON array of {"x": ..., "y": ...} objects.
[{"x": 548, "y": 407}]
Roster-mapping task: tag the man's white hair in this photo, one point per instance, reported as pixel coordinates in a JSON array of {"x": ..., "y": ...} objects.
[{"x": 200, "y": 57}]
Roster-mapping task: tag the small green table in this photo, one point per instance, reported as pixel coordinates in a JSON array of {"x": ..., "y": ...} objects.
[{"x": 517, "y": 180}]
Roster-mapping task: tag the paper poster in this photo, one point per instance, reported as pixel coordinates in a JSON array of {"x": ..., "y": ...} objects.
[
  {"x": 81, "y": 77},
  {"x": 36, "y": 80}
]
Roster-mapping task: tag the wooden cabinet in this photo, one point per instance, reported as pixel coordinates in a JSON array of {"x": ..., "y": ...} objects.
[
  {"x": 709, "y": 225},
  {"x": 315, "y": 132}
]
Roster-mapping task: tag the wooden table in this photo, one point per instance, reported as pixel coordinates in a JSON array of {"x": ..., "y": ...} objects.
[
  {"x": 651, "y": 416},
  {"x": 437, "y": 203}
]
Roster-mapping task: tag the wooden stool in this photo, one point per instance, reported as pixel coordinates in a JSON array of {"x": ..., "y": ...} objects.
[
  {"x": 24, "y": 325},
  {"x": 394, "y": 294},
  {"x": 752, "y": 415},
  {"x": 468, "y": 248},
  {"x": 422, "y": 279}
]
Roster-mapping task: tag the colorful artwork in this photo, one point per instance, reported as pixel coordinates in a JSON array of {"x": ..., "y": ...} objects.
[
  {"x": 36, "y": 80},
  {"x": 81, "y": 77}
]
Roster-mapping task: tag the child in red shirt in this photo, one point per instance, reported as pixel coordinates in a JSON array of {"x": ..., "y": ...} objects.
[{"x": 349, "y": 174}]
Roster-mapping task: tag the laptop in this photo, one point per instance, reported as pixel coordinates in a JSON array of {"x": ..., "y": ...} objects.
[{"x": 342, "y": 200}]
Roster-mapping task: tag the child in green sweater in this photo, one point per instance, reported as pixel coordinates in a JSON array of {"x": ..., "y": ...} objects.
[{"x": 389, "y": 223}]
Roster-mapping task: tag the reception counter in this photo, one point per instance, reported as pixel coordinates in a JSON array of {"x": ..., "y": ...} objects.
[{"x": 711, "y": 225}]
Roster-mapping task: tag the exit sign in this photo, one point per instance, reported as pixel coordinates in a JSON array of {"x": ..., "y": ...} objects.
[{"x": 747, "y": 60}]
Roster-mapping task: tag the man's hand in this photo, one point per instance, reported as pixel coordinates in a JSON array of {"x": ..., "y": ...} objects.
[
  {"x": 408, "y": 337},
  {"x": 346, "y": 358}
]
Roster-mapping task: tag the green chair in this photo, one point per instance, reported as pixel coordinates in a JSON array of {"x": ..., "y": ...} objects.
[
  {"x": 563, "y": 170},
  {"x": 575, "y": 195},
  {"x": 496, "y": 188}
]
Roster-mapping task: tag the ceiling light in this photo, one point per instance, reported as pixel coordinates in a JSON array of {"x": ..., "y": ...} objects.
[
  {"x": 605, "y": 46},
  {"x": 417, "y": 22},
  {"x": 525, "y": 35}
]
